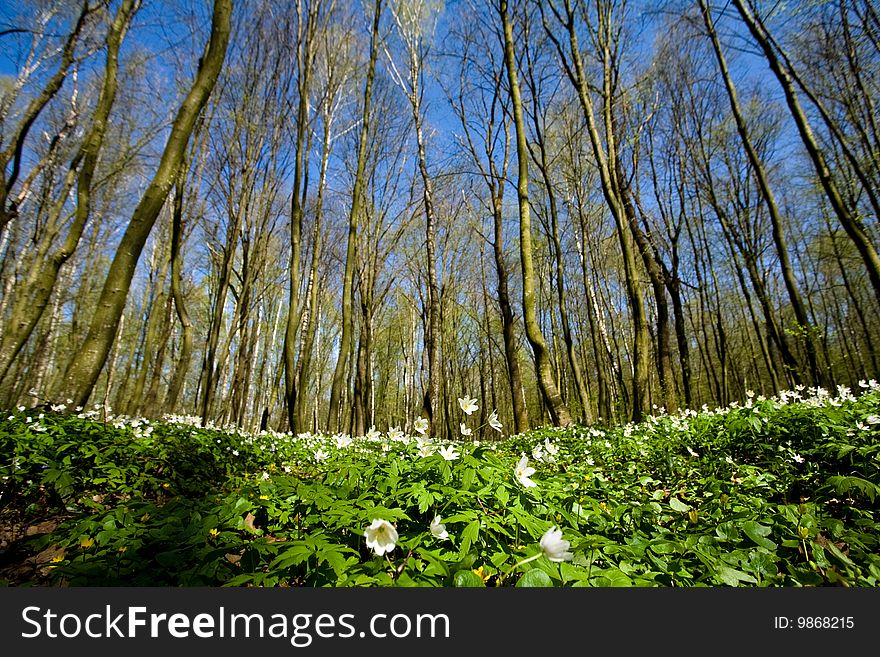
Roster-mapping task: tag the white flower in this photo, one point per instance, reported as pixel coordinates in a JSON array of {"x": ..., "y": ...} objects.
[
  {"x": 538, "y": 452},
  {"x": 343, "y": 441},
  {"x": 421, "y": 425},
  {"x": 465, "y": 429},
  {"x": 265, "y": 476},
  {"x": 493, "y": 421},
  {"x": 523, "y": 472},
  {"x": 372, "y": 434},
  {"x": 467, "y": 404},
  {"x": 448, "y": 453},
  {"x": 554, "y": 547},
  {"x": 551, "y": 448},
  {"x": 426, "y": 450},
  {"x": 797, "y": 458},
  {"x": 381, "y": 536},
  {"x": 395, "y": 433},
  {"x": 873, "y": 419},
  {"x": 321, "y": 455},
  {"x": 438, "y": 529}
]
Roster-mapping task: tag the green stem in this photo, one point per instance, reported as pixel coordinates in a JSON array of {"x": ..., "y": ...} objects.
[{"x": 520, "y": 563}]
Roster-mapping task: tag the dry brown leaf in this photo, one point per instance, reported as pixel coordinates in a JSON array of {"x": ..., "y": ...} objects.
[{"x": 41, "y": 528}]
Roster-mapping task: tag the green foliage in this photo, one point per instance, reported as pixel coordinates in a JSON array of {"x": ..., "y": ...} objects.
[{"x": 771, "y": 494}]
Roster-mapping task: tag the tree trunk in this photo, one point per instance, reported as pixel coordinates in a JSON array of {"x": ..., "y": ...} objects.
[
  {"x": 339, "y": 377},
  {"x": 850, "y": 222},
  {"x": 805, "y": 326},
  {"x": 558, "y": 410},
  {"x": 35, "y": 298},
  {"x": 83, "y": 372}
]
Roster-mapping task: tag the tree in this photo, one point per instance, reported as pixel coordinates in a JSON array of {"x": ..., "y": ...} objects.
[
  {"x": 558, "y": 410},
  {"x": 83, "y": 372},
  {"x": 353, "y": 219}
]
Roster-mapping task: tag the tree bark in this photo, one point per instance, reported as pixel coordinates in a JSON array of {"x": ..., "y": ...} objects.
[
  {"x": 339, "y": 377},
  {"x": 83, "y": 372},
  {"x": 559, "y": 413}
]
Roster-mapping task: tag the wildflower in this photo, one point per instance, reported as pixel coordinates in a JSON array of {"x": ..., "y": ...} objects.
[
  {"x": 235, "y": 452},
  {"x": 551, "y": 448},
  {"x": 395, "y": 433},
  {"x": 467, "y": 404},
  {"x": 321, "y": 455},
  {"x": 554, "y": 547},
  {"x": 523, "y": 472},
  {"x": 213, "y": 533},
  {"x": 87, "y": 542},
  {"x": 465, "y": 429},
  {"x": 372, "y": 434},
  {"x": 438, "y": 529},
  {"x": 538, "y": 452},
  {"x": 381, "y": 536},
  {"x": 479, "y": 572},
  {"x": 264, "y": 497},
  {"x": 421, "y": 425},
  {"x": 265, "y": 476},
  {"x": 873, "y": 419},
  {"x": 449, "y": 453},
  {"x": 426, "y": 450},
  {"x": 797, "y": 458},
  {"x": 493, "y": 421}
]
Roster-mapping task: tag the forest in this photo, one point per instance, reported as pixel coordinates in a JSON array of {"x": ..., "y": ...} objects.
[{"x": 478, "y": 221}]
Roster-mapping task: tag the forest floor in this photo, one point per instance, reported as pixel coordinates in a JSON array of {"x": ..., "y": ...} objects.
[{"x": 773, "y": 492}]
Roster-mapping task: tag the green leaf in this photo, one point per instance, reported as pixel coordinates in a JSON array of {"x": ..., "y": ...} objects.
[
  {"x": 732, "y": 576},
  {"x": 467, "y": 479},
  {"x": 757, "y": 532},
  {"x": 678, "y": 505},
  {"x": 469, "y": 535},
  {"x": 468, "y": 579},
  {"x": 833, "y": 549},
  {"x": 613, "y": 577},
  {"x": 534, "y": 578},
  {"x": 843, "y": 485}
]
